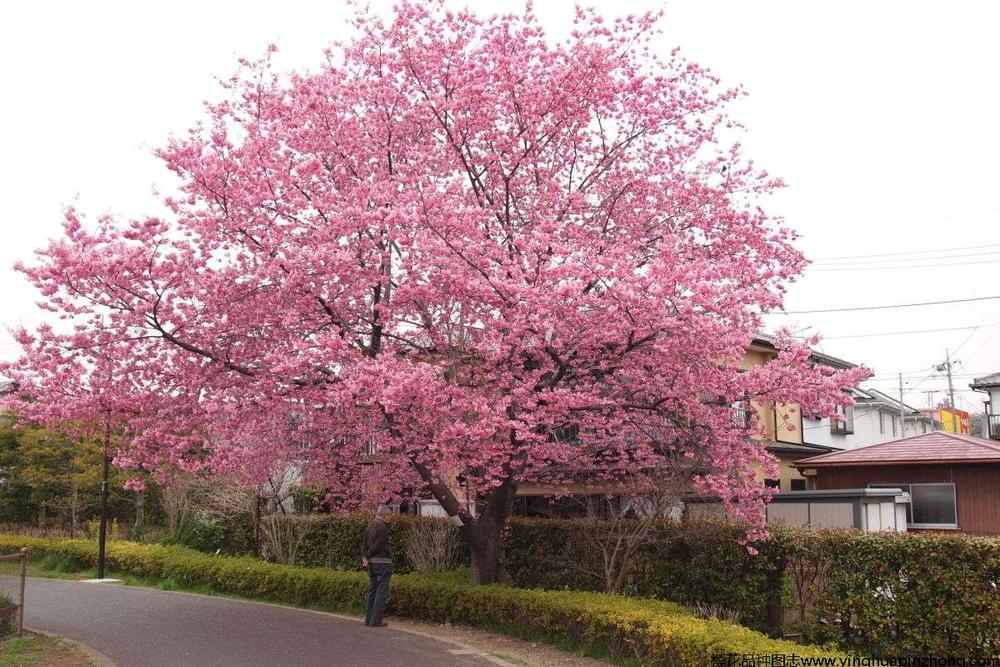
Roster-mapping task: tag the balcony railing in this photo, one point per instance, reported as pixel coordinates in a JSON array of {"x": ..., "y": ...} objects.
[{"x": 994, "y": 425}]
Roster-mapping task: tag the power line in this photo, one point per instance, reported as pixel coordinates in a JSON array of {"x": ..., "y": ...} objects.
[
  {"x": 899, "y": 305},
  {"x": 903, "y": 266},
  {"x": 902, "y": 333},
  {"x": 877, "y": 378},
  {"x": 887, "y": 385},
  {"x": 902, "y": 260},
  {"x": 955, "y": 351},
  {"x": 909, "y": 252}
]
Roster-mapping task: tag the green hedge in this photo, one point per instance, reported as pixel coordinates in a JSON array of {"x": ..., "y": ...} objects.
[
  {"x": 878, "y": 593},
  {"x": 649, "y": 632},
  {"x": 691, "y": 563},
  {"x": 330, "y": 541},
  {"x": 899, "y": 594},
  {"x": 7, "y": 623},
  {"x": 883, "y": 594}
]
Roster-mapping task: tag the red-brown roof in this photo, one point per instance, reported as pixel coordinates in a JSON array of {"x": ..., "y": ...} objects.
[{"x": 936, "y": 447}]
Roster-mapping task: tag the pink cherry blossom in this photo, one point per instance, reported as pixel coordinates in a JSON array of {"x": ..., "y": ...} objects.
[{"x": 419, "y": 267}]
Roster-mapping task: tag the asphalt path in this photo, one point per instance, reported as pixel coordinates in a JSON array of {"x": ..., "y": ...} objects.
[{"x": 143, "y": 627}]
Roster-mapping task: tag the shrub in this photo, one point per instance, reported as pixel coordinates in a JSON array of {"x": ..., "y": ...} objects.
[
  {"x": 882, "y": 594},
  {"x": 201, "y": 535},
  {"x": 6, "y": 622},
  {"x": 690, "y": 563},
  {"x": 894, "y": 594},
  {"x": 648, "y": 631},
  {"x": 326, "y": 540},
  {"x": 433, "y": 546}
]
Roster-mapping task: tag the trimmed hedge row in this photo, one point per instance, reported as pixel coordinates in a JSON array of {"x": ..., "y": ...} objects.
[
  {"x": 330, "y": 540},
  {"x": 892, "y": 594},
  {"x": 882, "y": 594},
  {"x": 695, "y": 562},
  {"x": 879, "y": 593},
  {"x": 650, "y": 632}
]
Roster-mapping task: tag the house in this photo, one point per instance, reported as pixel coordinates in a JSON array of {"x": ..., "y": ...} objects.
[
  {"x": 867, "y": 509},
  {"x": 951, "y": 419},
  {"x": 953, "y": 479},
  {"x": 875, "y": 417},
  {"x": 990, "y": 385},
  {"x": 796, "y": 438},
  {"x": 784, "y": 432},
  {"x": 788, "y": 440}
]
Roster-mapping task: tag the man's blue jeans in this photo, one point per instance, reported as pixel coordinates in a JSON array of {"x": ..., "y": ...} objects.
[{"x": 378, "y": 591}]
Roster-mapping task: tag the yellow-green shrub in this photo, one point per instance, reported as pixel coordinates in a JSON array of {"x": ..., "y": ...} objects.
[{"x": 650, "y": 632}]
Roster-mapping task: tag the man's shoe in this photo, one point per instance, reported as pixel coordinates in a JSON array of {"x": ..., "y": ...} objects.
[{"x": 383, "y": 624}]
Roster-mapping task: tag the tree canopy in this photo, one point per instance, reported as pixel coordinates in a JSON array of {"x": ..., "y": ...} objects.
[{"x": 457, "y": 256}]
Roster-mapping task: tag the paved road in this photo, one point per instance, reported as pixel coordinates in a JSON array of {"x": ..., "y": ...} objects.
[{"x": 141, "y": 627}]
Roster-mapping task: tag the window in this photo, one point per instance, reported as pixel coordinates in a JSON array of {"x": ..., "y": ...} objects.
[
  {"x": 893, "y": 426},
  {"x": 772, "y": 483},
  {"x": 881, "y": 422},
  {"x": 932, "y": 505},
  {"x": 798, "y": 485},
  {"x": 742, "y": 415},
  {"x": 568, "y": 434},
  {"x": 842, "y": 423}
]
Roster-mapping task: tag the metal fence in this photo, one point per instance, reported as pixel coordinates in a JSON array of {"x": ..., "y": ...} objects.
[{"x": 13, "y": 569}]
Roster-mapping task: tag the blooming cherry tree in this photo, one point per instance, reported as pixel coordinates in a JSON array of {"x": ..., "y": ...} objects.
[{"x": 458, "y": 256}]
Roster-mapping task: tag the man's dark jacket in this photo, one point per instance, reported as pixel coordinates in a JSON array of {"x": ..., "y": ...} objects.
[{"x": 376, "y": 547}]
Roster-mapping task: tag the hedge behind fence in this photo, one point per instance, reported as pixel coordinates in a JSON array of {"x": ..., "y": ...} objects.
[
  {"x": 697, "y": 562},
  {"x": 894, "y": 594},
  {"x": 649, "y": 632},
  {"x": 878, "y": 593},
  {"x": 883, "y": 594}
]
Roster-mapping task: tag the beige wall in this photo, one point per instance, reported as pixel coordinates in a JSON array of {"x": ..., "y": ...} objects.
[
  {"x": 788, "y": 472},
  {"x": 754, "y": 357},
  {"x": 782, "y": 423},
  {"x": 766, "y": 413},
  {"x": 788, "y": 421}
]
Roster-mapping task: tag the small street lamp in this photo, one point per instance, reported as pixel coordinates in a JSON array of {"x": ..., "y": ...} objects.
[{"x": 102, "y": 540}]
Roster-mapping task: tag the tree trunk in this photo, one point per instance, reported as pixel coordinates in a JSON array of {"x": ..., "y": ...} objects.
[
  {"x": 481, "y": 529},
  {"x": 140, "y": 512},
  {"x": 73, "y": 503},
  {"x": 484, "y": 538},
  {"x": 485, "y": 534},
  {"x": 256, "y": 526}
]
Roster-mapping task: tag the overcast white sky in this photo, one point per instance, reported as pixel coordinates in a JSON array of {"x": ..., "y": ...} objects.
[{"x": 881, "y": 116}]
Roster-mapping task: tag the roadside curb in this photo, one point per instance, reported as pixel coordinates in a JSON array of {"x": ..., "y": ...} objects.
[{"x": 91, "y": 652}]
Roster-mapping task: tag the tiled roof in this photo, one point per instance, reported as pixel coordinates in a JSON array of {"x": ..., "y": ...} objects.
[
  {"x": 987, "y": 381},
  {"x": 769, "y": 341},
  {"x": 937, "y": 447},
  {"x": 868, "y": 396}
]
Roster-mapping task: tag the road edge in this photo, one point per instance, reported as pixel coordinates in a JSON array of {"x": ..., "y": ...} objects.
[
  {"x": 466, "y": 649},
  {"x": 90, "y": 651}
]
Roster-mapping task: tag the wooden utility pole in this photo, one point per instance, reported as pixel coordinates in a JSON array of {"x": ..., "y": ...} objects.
[
  {"x": 946, "y": 366},
  {"x": 902, "y": 413},
  {"x": 951, "y": 395}
]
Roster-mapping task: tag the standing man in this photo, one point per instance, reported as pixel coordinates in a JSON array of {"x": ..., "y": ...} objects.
[{"x": 375, "y": 556}]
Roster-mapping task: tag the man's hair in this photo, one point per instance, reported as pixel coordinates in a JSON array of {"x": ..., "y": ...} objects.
[{"x": 383, "y": 510}]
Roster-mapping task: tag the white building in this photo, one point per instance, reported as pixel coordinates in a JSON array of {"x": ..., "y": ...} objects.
[
  {"x": 990, "y": 385},
  {"x": 874, "y": 418}
]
